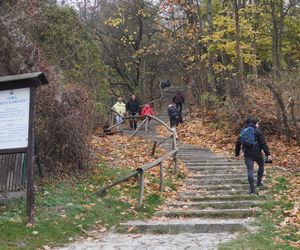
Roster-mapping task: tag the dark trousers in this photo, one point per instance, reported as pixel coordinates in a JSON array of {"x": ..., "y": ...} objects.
[
  {"x": 249, "y": 161},
  {"x": 133, "y": 121},
  {"x": 173, "y": 122},
  {"x": 179, "y": 107}
]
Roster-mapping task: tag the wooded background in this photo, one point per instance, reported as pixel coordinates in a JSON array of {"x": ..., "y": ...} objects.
[{"x": 234, "y": 57}]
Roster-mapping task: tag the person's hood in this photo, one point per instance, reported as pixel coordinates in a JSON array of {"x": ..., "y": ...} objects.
[
  {"x": 251, "y": 120},
  {"x": 250, "y": 125},
  {"x": 147, "y": 106},
  {"x": 178, "y": 92}
]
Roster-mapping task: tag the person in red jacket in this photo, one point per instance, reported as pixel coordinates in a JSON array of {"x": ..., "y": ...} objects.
[{"x": 147, "y": 110}]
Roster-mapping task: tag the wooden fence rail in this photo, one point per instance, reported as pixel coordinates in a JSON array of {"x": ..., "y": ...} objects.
[{"x": 140, "y": 171}]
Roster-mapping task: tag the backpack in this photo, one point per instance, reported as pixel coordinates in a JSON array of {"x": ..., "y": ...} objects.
[
  {"x": 178, "y": 98},
  {"x": 174, "y": 113},
  {"x": 248, "y": 137}
]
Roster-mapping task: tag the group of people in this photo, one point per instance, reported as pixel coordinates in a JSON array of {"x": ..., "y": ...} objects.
[
  {"x": 251, "y": 139},
  {"x": 175, "y": 109},
  {"x": 130, "y": 109}
]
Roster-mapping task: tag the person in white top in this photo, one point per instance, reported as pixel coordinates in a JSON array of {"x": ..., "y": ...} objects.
[{"x": 120, "y": 109}]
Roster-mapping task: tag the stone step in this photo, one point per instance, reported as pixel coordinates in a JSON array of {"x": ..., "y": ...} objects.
[
  {"x": 217, "y": 170},
  {"x": 208, "y": 181},
  {"x": 200, "y": 192},
  {"x": 175, "y": 226},
  {"x": 217, "y": 204},
  {"x": 196, "y": 175},
  {"x": 216, "y": 167},
  {"x": 211, "y": 187},
  {"x": 229, "y": 197},
  {"x": 210, "y": 213},
  {"x": 197, "y": 157},
  {"x": 205, "y": 160},
  {"x": 214, "y": 164},
  {"x": 211, "y": 171}
]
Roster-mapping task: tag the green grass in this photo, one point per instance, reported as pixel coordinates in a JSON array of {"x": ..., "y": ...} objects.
[
  {"x": 68, "y": 209},
  {"x": 267, "y": 221}
]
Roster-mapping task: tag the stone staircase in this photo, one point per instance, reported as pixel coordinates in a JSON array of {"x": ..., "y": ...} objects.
[{"x": 215, "y": 199}]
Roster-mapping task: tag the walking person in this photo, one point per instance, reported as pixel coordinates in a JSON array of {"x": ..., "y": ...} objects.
[
  {"x": 174, "y": 115},
  {"x": 132, "y": 108},
  {"x": 120, "y": 110},
  {"x": 253, "y": 143},
  {"x": 178, "y": 99}
]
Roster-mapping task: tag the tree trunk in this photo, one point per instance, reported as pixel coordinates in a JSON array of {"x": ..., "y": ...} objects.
[
  {"x": 211, "y": 74},
  {"x": 254, "y": 66},
  {"x": 279, "y": 100},
  {"x": 240, "y": 82},
  {"x": 294, "y": 120},
  {"x": 275, "y": 44}
]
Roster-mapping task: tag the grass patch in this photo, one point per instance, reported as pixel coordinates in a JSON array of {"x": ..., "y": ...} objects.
[
  {"x": 65, "y": 209},
  {"x": 271, "y": 234}
]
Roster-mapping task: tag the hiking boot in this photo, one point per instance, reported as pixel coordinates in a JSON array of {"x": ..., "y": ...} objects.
[
  {"x": 260, "y": 186},
  {"x": 252, "y": 193}
]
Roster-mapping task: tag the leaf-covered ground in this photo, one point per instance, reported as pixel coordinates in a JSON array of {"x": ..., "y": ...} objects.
[
  {"x": 131, "y": 153},
  {"x": 66, "y": 208}
]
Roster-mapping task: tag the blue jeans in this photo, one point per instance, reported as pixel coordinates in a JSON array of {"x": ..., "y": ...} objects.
[
  {"x": 249, "y": 161},
  {"x": 118, "y": 119}
]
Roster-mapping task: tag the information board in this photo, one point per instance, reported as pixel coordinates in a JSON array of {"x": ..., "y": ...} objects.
[{"x": 14, "y": 118}]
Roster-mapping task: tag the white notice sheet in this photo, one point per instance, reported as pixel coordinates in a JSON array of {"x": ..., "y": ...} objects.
[{"x": 14, "y": 118}]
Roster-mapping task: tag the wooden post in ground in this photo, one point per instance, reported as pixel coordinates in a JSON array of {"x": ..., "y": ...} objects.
[
  {"x": 174, "y": 146},
  {"x": 176, "y": 163},
  {"x": 147, "y": 124},
  {"x": 161, "y": 172},
  {"x": 111, "y": 119},
  {"x": 142, "y": 186},
  {"x": 153, "y": 148}
]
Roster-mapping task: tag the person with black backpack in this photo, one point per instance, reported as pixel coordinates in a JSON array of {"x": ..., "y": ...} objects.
[
  {"x": 178, "y": 99},
  {"x": 173, "y": 113},
  {"x": 253, "y": 143}
]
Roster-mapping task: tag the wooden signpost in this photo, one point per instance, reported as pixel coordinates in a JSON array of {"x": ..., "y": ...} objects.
[{"x": 17, "y": 94}]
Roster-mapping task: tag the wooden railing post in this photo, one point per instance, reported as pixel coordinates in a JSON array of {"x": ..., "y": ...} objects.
[
  {"x": 142, "y": 186},
  {"x": 176, "y": 163},
  {"x": 161, "y": 172},
  {"x": 174, "y": 145},
  {"x": 147, "y": 124},
  {"x": 111, "y": 119},
  {"x": 153, "y": 148}
]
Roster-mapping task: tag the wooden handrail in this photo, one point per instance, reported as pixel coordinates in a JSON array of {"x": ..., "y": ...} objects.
[
  {"x": 160, "y": 121},
  {"x": 102, "y": 191},
  {"x": 157, "y": 161},
  {"x": 141, "y": 170}
]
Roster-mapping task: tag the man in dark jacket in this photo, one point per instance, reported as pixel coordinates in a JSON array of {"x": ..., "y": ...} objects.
[
  {"x": 174, "y": 114},
  {"x": 132, "y": 108},
  {"x": 178, "y": 99},
  {"x": 253, "y": 153}
]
